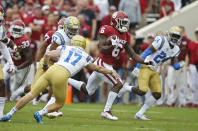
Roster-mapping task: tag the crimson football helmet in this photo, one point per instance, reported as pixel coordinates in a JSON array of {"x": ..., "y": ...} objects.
[
  {"x": 17, "y": 28},
  {"x": 120, "y": 21},
  {"x": 61, "y": 23},
  {"x": 1, "y": 15}
]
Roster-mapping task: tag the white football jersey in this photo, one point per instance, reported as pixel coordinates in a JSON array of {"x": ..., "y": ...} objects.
[
  {"x": 73, "y": 58},
  {"x": 61, "y": 38},
  {"x": 163, "y": 52}
]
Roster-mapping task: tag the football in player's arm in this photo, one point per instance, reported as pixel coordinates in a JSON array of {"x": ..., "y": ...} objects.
[{"x": 105, "y": 48}]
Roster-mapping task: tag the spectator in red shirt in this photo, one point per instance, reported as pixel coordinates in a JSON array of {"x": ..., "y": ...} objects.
[
  {"x": 51, "y": 24},
  {"x": 56, "y": 5},
  {"x": 145, "y": 6},
  {"x": 8, "y": 18},
  {"x": 66, "y": 8},
  {"x": 36, "y": 24},
  {"x": 28, "y": 13},
  {"x": 193, "y": 70},
  {"x": 46, "y": 10},
  {"x": 167, "y": 8},
  {"x": 85, "y": 30},
  {"x": 106, "y": 20}
]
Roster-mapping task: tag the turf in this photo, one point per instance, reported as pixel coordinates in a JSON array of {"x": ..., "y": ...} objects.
[{"x": 86, "y": 117}]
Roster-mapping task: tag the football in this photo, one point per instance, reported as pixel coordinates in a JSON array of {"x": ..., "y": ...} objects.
[{"x": 108, "y": 41}]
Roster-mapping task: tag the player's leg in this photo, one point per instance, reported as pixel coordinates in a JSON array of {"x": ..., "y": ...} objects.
[
  {"x": 2, "y": 92},
  {"x": 21, "y": 76},
  {"x": 171, "y": 79},
  {"x": 59, "y": 85},
  {"x": 155, "y": 86},
  {"x": 40, "y": 85}
]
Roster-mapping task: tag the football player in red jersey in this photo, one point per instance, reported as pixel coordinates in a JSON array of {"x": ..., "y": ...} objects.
[
  {"x": 120, "y": 38},
  {"x": 22, "y": 57}
]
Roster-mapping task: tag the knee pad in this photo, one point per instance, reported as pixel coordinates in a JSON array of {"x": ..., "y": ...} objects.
[
  {"x": 117, "y": 87},
  {"x": 156, "y": 95},
  {"x": 138, "y": 91}
]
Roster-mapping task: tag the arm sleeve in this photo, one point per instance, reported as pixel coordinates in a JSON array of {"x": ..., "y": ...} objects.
[
  {"x": 58, "y": 38},
  {"x": 158, "y": 42},
  {"x": 89, "y": 60},
  {"x": 6, "y": 53}
]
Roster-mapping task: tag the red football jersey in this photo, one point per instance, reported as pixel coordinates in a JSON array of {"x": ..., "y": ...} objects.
[
  {"x": 124, "y": 38},
  {"x": 184, "y": 48},
  {"x": 21, "y": 43},
  {"x": 48, "y": 36}
]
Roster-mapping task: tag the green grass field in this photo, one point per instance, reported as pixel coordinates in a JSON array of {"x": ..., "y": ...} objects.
[{"x": 86, "y": 117}]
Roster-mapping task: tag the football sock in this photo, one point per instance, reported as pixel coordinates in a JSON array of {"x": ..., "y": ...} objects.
[
  {"x": 124, "y": 89},
  {"x": 148, "y": 103},
  {"x": 43, "y": 111},
  {"x": 51, "y": 101},
  {"x": 2, "y": 104},
  {"x": 13, "y": 110},
  {"x": 111, "y": 97},
  {"x": 76, "y": 84}
]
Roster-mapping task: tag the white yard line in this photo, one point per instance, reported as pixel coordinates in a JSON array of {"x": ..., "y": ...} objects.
[
  {"x": 149, "y": 129},
  {"x": 99, "y": 110}
]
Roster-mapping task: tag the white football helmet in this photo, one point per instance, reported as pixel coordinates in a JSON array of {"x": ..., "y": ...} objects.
[
  {"x": 71, "y": 26},
  {"x": 174, "y": 35},
  {"x": 17, "y": 28}
]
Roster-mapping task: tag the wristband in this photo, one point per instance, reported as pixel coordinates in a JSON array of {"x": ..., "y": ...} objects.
[{"x": 176, "y": 66}]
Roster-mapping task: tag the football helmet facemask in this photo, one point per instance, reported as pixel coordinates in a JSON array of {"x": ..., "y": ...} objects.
[
  {"x": 174, "y": 35},
  {"x": 78, "y": 40},
  {"x": 120, "y": 21},
  {"x": 17, "y": 28},
  {"x": 71, "y": 26}
]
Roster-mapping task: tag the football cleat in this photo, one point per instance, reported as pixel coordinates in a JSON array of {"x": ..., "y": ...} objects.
[
  {"x": 38, "y": 117},
  {"x": 6, "y": 118},
  {"x": 108, "y": 115},
  {"x": 141, "y": 117},
  {"x": 55, "y": 114}
]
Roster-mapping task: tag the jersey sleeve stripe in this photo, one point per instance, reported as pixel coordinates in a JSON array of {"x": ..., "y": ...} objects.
[
  {"x": 61, "y": 37},
  {"x": 4, "y": 32},
  {"x": 162, "y": 43},
  {"x": 178, "y": 53}
]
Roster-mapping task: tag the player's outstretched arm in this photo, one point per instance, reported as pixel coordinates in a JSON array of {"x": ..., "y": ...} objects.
[
  {"x": 103, "y": 70},
  {"x": 103, "y": 46},
  {"x": 134, "y": 56},
  {"x": 41, "y": 51},
  {"x": 51, "y": 54}
]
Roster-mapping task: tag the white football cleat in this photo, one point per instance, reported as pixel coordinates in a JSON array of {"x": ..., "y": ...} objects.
[
  {"x": 55, "y": 114},
  {"x": 141, "y": 117},
  {"x": 108, "y": 115}
]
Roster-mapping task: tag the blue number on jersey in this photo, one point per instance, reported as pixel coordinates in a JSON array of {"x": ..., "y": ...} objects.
[
  {"x": 78, "y": 57},
  {"x": 160, "y": 57}
]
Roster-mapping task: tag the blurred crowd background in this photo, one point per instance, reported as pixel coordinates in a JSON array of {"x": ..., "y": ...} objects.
[{"x": 180, "y": 88}]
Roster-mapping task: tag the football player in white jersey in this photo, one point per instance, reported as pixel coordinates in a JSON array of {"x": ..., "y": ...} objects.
[
  {"x": 68, "y": 27},
  {"x": 163, "y": 48},
  {"x": 72, "y": 59},
  {"x": 5, "y": 52}
]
